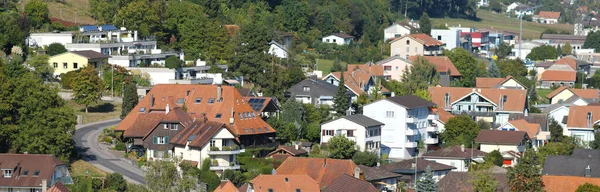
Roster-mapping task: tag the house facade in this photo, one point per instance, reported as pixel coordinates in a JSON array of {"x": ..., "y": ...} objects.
[
  {"x": 450, "y": 37},
  {"x": 278, "y": 50},
  {"x": 547, "y": 17},
  {"x": 397, "y": 30},
  {"x": 509, "y": 143},
  {"x": 581, "y": 122},
  {"x": 501, "y": 83},
  {"x": 357, "y": 81},
  {"x": 480, "y": 41},
  {"x": 31, "y": 172},
  {"x": 313, "y": 91},
  {"x": 538, "y": 138},
  {"x": 393, "y": 67},
  {"x": 74, "y": 60},
  {"x": 366, "y": 132},
  {"x": 456, "y": 156},
  {"x": 407, "y": 121},
  {"x": 339, "y": 39},
  {"x": 563, "y": 93},
  {"x": 416, "y": 44}
]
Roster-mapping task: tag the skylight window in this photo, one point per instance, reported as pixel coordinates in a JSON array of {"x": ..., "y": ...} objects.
[
  {"x": 218, "y": 116},
  {"x": 211, "y": 100},
  {"x": 36, "y": 173},
  {"x": 180, "y": 101},
  {"x": 25, "y": 172},
  {"x": 142, "y": 109},
  {"x": 198, "y": 100}
]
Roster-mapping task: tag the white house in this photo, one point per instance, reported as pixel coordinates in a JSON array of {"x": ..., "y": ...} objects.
[
  {"x": 45, "y": 39},
  {"x": 483, "y": 3},
  {"x": 207, "y": 140},
  {"x": 508, "y": 143},
  {"x": 456, "y": 156},
  {"x": 278, "y": 50},
  {"x": 511, "y": 7},
  {"x": 358, "y": 82},
  {"x": 338, "y": 38},
  {"x": 366, "y": 132},
  {"x": 408, "y": 121},
  {"x": 450, "y": 37},
  {"x": 523, "y": 10},
  {"x": 314, "y": 91},
  {"x": 547, "y": 17},
  {"x": 537, "y": 137},
  {"x": 397, "y": 30},
  {"x": 581, "y": 122},
  {"x": 508, "y": 82},
  {"x": 558, "y": 112}
]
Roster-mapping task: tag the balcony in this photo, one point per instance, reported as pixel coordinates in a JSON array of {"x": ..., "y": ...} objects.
[
  {"x": 432, "y": 128},
  {"x": 221, "y": 167},
  {"x": 411, "y": 132},
  {"x": 410, "y": 144},
  {"x": 226, "y": 150},
  {"x": 431, "y": 141},
  {"x": 410, "y": 119},
  {"x": 433, "y": 117},
  {"x": 475, "y": 113}
]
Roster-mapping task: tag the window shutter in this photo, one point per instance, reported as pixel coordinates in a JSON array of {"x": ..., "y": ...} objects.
[
  {"x": 166, "y": 139},
  {"x": 155, "y": 139}
]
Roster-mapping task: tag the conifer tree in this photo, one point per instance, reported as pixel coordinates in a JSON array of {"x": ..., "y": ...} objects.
[
  {"x": 493, "y": 70},
  {"x": 427, "y": 183},
  {"x": 130, "y": 99},
  {"x": 341, "y": 100}
]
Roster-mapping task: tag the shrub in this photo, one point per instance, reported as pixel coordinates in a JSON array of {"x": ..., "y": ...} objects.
[
  {"x": 115, "y": 181},
  {"x": 107, "y": 139},
  {"x": 66, "y": 80},
  {"x": 120, "y": 146},
  {"x": 214, "y": 148}
]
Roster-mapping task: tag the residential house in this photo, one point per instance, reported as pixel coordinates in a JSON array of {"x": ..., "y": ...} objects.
[
  {"x": 407, "y": 120},
  {"x": 500, "y": 83},
  {"x": 357, "y": 81},
  {"x": 446, "y": 70},
  {"x": 282, "y": 182},
  {"x": 322, "y": 170},
  {"x": 523, "y": 10},
  {"x": 547, "y": 17},
  {"x": 552, "y": 78},
  {"x": 480, "y": 41},
  {"x": 488, "y": 104},
  {"x": 382, "y": 179},
  {"x": 495, "y": 37},
  {"x": 576, "y": 41},
  {"x": 393, "y": 67},
  {"x": 74, "y": 60},
  {"x": 278, "y": 50},
  {"x": 58, "y": 187},
  {"x": 364, "y": 131},
  {"x": 218, "y": 103},
  {"x": 315, "y": 92},
  {"x": 450, "y": 37},
  {"x": 397, "y": 30},
  {"x": 265, "y": 106},
  {"x": 483, "y": 3},
  {"x": 521, "y": 50},
  {"x": 581, "y": 122},
  {"x": 283, "y": 152},
  {"x": 559, "y": 111},
  {"x": 534, "y": 131},
  {"x": 535, "y": 118},
  {"x": 226, "y": 186},
  {"x": 443, "y": 117},
  {"x": 377, "y": 71},
  {"x": 512, "y": 7},
  {"x": 574, "y": 165},
  {"x": 455, "y": 156},
  {"x": 407, "y": 168},
  {"x": 32, "y": 172},
  {"x": 509, "y": 143},
  {"x": 460, "y": 181},
  {"x": 563, "y": 93},
  {"x": 555, "y": 183},
  {"x": 346, "y": 182},
  {"x": 416, "y": 44},
  {"x": 45, "y": 39},
  {"x": 338, "y": 38}
]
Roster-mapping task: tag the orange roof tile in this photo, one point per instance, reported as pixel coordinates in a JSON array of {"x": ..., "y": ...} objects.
[
  {"x": 322, "y": 170},
  {"x": 347, "y": 182},
  {"x": 566, "y": 183},
  {"x": 578, "y": 116},
  {"x": 284, "y": 182},
  {"x": 58, "y": 187},
  {"x": 583, "y": 93},
  {"x": 522, "y": 125},
  {"x": 354, "y": 79},
  {"x": 442, "y": 64},
  {"x": 146, "y": 122},
  {"x": 226, "y": 186},
  {"x": 549, "y": 14},
  {"x": 552, "y": 75},
  {"x": 245, "y": 120},
  {"x": 425, "y": 39},
  {"x": 444, "y": 116},
  {"x": 516, "y": 98},
  {"x": 485, "y": 82},
  {"x": 375, "y": 70},
  {"x": 567, "y": 61}
]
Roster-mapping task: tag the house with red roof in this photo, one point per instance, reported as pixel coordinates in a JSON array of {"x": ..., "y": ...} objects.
[
  {"x": 33, "y": 172},
  {"x": 416, "y": 44},
  {"x": 547, "y": 17},
  {"x": 534, "y": 131},
  {"x": 338, "y": 38},
  {"x": 509, "y": 82},
  {"x": 444, "y": 66},
  {"x": 564, "y": 93}
]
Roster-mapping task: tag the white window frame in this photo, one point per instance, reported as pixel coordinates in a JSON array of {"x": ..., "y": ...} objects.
[
  {"x": 161, "y": 140},
  {"x": 7, "y": 173}
]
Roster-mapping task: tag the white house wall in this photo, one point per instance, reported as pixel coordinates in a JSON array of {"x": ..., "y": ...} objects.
[
  {"x": 333, "y": 39},
  {"x": 343, "y": 125},
  {"x": 458, "y": 163},
  {"x": 393, "y": 132},
  {"x": 451, "y": 37},
  {"x": 277, "y": 51},
  {"x": 502, "y": 148}
]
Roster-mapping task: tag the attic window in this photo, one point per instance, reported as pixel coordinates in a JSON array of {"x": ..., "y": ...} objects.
[
  {"x": 252, "y": 129},
  {"x": 142, "y": 109},
  {"x": 246, "y": 130},
  {"x": 260, "y": 130},
  {"x": 245, "y": 115},
  {"x": 36, "y": 173},
  {"x": 7, "y": 173},
  {"x": 241, "y": 117},
  {"x": 270, "y": 190},
  {"x": 198, "y": 100},
  {"x": 218, "y": 116},
  {"x": 211, "y": 100},
  {"x": 306, "y": 88},
  {"x": 25, "y": 173},
  {"x": 286, "y": 179},
  {"x": 180, "y": 101},
  {"x": 298, "y": 190},
  {"x": 253, "y": 115},
  {"x": 266, "y": 129},
  {"x": 408, "y": 42}
]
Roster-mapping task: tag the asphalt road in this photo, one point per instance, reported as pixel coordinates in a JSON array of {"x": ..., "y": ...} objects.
[{"x": 86, "y": 143}]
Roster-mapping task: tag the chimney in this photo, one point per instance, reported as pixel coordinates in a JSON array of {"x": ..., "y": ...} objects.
[
  {"x": 219, "y": 93},
  {"x": 167, "y": 109},
  {"x": 297, "y": 147},
  {"x": 357, "y": 173},
  {"x": 44, "y": 185},
  {"x": 462, "y": 148},
  {"x": 232, "y": 118},
  {"x": 151, "y": 99},
  {"x": 588, "y": 171},
  {"x": 413, "y": 165},
  {"x": 348, "y": 111}
]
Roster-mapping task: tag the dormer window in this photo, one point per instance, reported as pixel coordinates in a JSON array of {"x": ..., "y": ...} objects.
[
  {"x": 142, "y": 109},
  {"x": 218, "y": 116},
  {"x": 36, "y": 173},
  {"x": 306, "y": 88},
  {"x": 175, "y": 127},
  {"x": 7, "y": 173}
]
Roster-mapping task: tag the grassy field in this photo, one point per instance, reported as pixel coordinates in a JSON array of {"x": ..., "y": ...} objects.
[
  {"x": 324, "y": 65},
  {"x": 99, "y": 112},
  {"x": 501, "y": 22},
  {"x": 542, "y": 94},
  {"x": 79, "y": 167},
  {"x": 76, "y": 11}
]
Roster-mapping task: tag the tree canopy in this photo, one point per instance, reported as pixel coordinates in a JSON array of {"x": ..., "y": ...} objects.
[
  {"x": 592, "y": 41},
  {"x": 419, "y": 76},
  {"x": 425, "y": 24},
  {"x": 512, "y": 67},
  {"x": 427, "y": 183},
  {"x": 341, "y": 100},
  {"x": 460, "y": 130},
  {"x": 468, "y": 66},
  {"x": 494, "y": 157},
  {"x": 503, "y": 50},
  {"x": 525, "y": 176},
  {"x": 87, "y": 86},
  {"x": 55, "y": 49},
  {"x": 341, "y": 148},
  {"x": 542, "y": 53},
  {"x": 588, "y": 187},
  {"x": 37, "y": 12}
]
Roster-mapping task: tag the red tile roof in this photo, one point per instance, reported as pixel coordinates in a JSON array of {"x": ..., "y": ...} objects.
[
  {"x": 516, "y": 98},
  {"x": 500, "y": 137},
  {"x": 346, "y": 182},
  {"x": 549, "y": 14},
  {"x": 43, "y": 164},
  {"x": 442, "y": 64},
  {"x": 555, "y": 75},
  {"x": 578, "y": 116},
  {"x": 444, "y": 116},
  {"x": 322, "y": 170},
  {"x": 375, "y": 70},
  {"x": 198, "y": 134},
  {"x": 571, "y": 62},
  {"x": 422, "y": 38},
  {"x": 58, "y": 187},
  {"x": 486, "y": 82},
  {"x": 532, "y": 129},
  {"x": 146, "y": 122},
  {"x": 289, "y": 150},
  {"x": 583, "y": 93},
  {"x": 566, "y": 183},
  {"x": 226, "y": 186},
  {"x": 284, "y": 182},
  {"x": 354, "y": 79},
  {"x": 245, "y": 120}
]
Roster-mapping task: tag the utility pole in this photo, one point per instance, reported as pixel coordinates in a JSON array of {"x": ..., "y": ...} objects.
[
  {"x": 521, "y": 25},
  {"x": 112, "y": 81}
]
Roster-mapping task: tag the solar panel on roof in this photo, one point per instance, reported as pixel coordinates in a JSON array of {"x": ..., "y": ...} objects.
[
  {"x": 192, "y": 137},
  {"x": 89, "y": 28},
  {"x": 108, "y": 28},
  {"x": 251, "y": 100},
  {"x": 261, "y": 101}
]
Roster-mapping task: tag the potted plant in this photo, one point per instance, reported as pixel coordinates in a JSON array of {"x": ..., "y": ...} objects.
[
  {"x": 215, "y": 162},
  {"x": 214, "y": 148}
]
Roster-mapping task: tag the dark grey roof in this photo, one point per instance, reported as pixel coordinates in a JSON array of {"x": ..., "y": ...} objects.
[
  {"x": 318, "y": 88},
  {"x": 377, "y": 173},
  {"x": 459, "y": 181},
  {"x": 563, "y": 37},
  {"x": 590, "y": 153},
  {"x": 571, "y": 166},
  {"x": 564, "y": 120},
  {"x": 410, "y": 101},
  {"x": 359, "y": 119},
  {"x": 406, "y": 166},
  {"x": 538, "y": 118},
  {"x": 553, "y": 107}
]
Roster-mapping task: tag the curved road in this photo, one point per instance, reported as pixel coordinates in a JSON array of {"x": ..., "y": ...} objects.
[{"x": 86, "y": 143}]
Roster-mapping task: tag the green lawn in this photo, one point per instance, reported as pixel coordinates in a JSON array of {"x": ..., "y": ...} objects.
[
  {"x": 79, "y": 168},
  {"x": 325, "y": 64},
  {"x": 98, "y": 112},
  {"x": 501, "y": 22},
  {"x": 542, "y": 94}
]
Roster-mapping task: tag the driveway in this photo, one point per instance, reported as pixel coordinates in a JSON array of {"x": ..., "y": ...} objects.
[{"x": 86, "y": 143}]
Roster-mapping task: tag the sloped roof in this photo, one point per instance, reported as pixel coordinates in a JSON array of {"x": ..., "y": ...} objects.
[
  {"x": 485, "y": 82},
  {"x": 43, "y": 164},
  {"x": 536, "y": 118},
  {"x": 284, "y": 182},
  {"x": 290, "y": 150},
  {"x": 590, "y": 153},
  {"x": 444, "y": 116},
  {"x": 410, "y": 101},
  {"x": 459, "y": 181},
  {"x": 226, "y": 186},
  {"x": 386, "y": 60},
  {"x": 532, "y": 129},
  {"x": 376, "y": 173},
  {"x": 442, "y": 64},
  {"x": 375, "y": 70},
  {"x": 583, "y": 93},
  {"x": 317, "y": 88},
  {"x": 455, "y": 152},
  {"x": 516, "y": 98},
  {"x": 549, "y": 14},
  {"x": 91, "y": 54},
  {"x": 422, "y": 38},
  {"x": 571, "y": 165},
  {"x": 354, "y": 79},
  {"x": 500, "y": 137},
  {"x": 245, "y": 120},
  {"x": 566, "y": 183},
  {"x": 556, "y": 75},
  {"x": 578, "y": 116},
  {"x": 198, "y": 134},
  {"x": 346, "y": 182},
  {"x": 343, "y": 35},
  {"x": 571, "y": 62},
  {"x": 322, "y": 170},
  {"x": 362, "y": 120},
  {"x": 58, "y": 187},
  {"x": 406, "y": 166},
  {"x": 149, "y": 120}
]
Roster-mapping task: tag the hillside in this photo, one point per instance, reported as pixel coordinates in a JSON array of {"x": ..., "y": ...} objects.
[
  {"x": 73, "y": 11},
  {"x": 503, "y": 23}
]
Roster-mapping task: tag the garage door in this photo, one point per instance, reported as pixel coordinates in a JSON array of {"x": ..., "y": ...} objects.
[{"x": 507, "y": 162}]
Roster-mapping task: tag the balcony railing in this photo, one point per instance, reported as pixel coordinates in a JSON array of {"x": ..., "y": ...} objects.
[
  {"x": 410, "y": 144},
  {"x": 475, "y": 113},
  {"x": 431, "y": 141},
  {"x": 411, "y": 132},
  {"x": 432, "y": 128},
  {"x": 410, "y": 119},
  {"x": 226, "y": 151},
  {"x": 220, "y": 167},
  {"x": 432, "y": 117}
]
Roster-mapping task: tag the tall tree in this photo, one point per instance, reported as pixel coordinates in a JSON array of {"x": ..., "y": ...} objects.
[
  {"x": 425, "y": 24},
  {"x": 14, "y": 29},
  {"x": 493, "y": 70},
  {"x": 468, "y": 66},
  {"x": 252, "y": 59},
  {"x": 494, "y": 157},
  {"x": 55, "y": 49},
  {"x": 337, "y": 66},
  {"x": 525, "y": 176},
  {"x": 595, "y": 144},
  {"x": 566, "y": 49},
  {"x": 427, "y": 183},
  {"x": 503, "y": 50},
  {"x": 532, "y": 94},
  {"x": 341, "y": 148},
  {"x": 341, "y": 100},
  {"x": 420, "y": 76},
  {"x": 592, "y": 41},
  {"x": 162, "y": 175},
  {"x": 460, "y": 129},
  {"x": 482, "y": 179},
  {"x": 141, "y": 15},
  {"x": 556, "y": 130},
  {"x": 512, "y": 67},
  {"x": 542, "y": 53},
  {"x": 41, "y": 66},
  {"x": 559, "y": 50},
  {"x": 87, "y": 87},
  {"x": 37, "y": 12},
  {"x": 130, "y": 99}
]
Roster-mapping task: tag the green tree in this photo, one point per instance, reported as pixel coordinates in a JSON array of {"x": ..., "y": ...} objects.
[
  {"x": 425, "y": 24},
  {"x": 341, "y": 148},
  {"x": 420, "y": 76},
  {"x": 115, "y": 181},
  {"x": 141, "y": 15},
  {"x": 482, "y": 179},
  {"x": 55, "y": 49},
  {"x": 337, "y": 66},
  {"x": 525, "y": 176},
  {"x": 87, "y": 87},
  {"x": 483, "y": 125},
  {"x": 513, "y": 68},
  {"x": 494, "y": 157},
  {"x": 423, "y": 94},
  {"x": 341, "y": 100},
  {"x": 37, "y": 12},
  {"x": 14, "y": 29},
  {"x": 542, "y": 53},
  {"x": 556, "y": 130},
  {"x": 565, "y": 147},
  {"x": 592, "y": 41},
  {"x": 468, "y": 66},
  {"x": 559, "y": 50},
  {"x": 113, "y": 77},
  {"x": 496, "y": 6},
  {"x": 460, "y": 129},
  {"x": 595, "y": 144},
  {"x": 236, "y": 177},
  {"x": 532, "y": 94},
  {"x": 41, "y": 66},
  {"x": 295, "y": 15},
  {"x": 503, "y": 50},
  {"x": 208, "y": 177},
  {"x": 493, "y": 70},
  {"x": 160, "y": 175},
  {"x": 367, "y": 158},
  {"x": 291, "y": 118},
  {"x": 130, "y": 99},
  {"x": 588, "y": 187},
  {"x": 173, "y": 62},
  {"x": 427, "y": 183},
  {"x": 567, "y": 49},
  {"x": 252, "y": 59}
]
